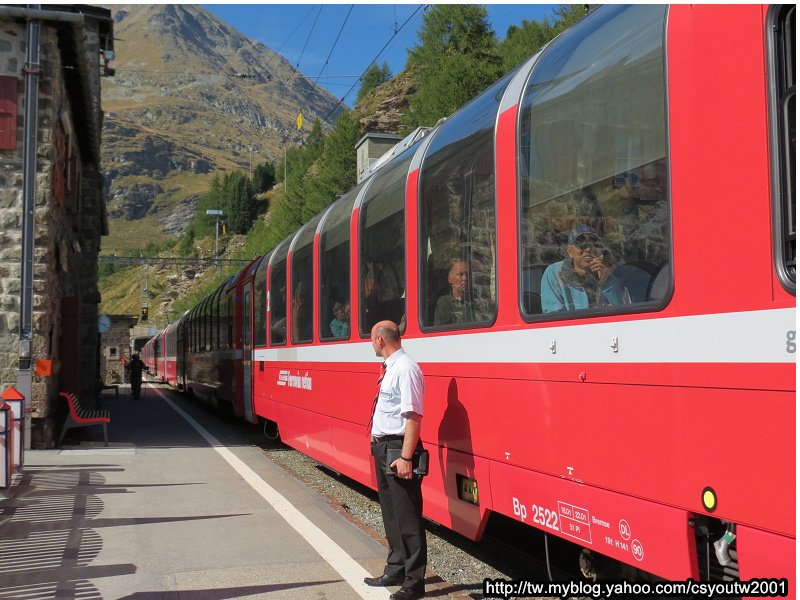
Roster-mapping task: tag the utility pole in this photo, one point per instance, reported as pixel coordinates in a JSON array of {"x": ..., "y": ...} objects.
[
  {"x": 145, "y": 309},
  {"x": 217, "y": 214}
]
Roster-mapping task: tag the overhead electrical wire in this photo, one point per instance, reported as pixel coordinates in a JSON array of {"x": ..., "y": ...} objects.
[
  {"x": 336, "y": 41},
  {"x": 310, "y": 33},
  {"x": 394, "y": 35},
  {"x": 296, "y": 27}
]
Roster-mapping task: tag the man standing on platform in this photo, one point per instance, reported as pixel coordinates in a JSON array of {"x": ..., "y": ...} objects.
[
  {"x": 135, "y": 368},
  {"x": 395, "y": 423}
]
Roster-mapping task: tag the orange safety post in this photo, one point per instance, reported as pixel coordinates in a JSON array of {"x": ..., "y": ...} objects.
[{"x": 16, "y": 401}]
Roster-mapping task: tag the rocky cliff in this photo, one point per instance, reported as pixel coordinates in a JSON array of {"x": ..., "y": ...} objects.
[{"x": 192, "y": 96}]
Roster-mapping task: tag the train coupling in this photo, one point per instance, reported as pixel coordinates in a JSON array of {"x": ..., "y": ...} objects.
[{"x": 723, "y": 544}]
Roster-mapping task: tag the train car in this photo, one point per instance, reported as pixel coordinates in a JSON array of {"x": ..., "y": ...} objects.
[
  {"x": 598, "y": 364},
  {"x": 215, "y": 362},
  {"x": 169, "y": 351},
  {"x": 148, "y": 354}
]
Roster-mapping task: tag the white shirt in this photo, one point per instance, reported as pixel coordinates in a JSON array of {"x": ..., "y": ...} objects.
[{"x": 401, "y": 392}]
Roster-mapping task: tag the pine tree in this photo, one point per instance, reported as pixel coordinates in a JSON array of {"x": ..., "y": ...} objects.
[
  {"x": 263, "y": 177},
  {"x": 240, "y": 206},
  {"x": 374, "y": 77},
  {"x": 456, "y": 59}
]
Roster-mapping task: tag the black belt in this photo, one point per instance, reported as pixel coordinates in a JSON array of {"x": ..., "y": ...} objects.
[{"x": 378, "y": 439}]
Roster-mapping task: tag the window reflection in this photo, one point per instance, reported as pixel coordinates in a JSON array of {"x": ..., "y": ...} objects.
[{"x": 594, "y": 198}]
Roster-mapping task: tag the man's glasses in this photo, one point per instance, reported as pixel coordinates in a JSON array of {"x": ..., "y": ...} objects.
[{"x": 583, "y": 243}]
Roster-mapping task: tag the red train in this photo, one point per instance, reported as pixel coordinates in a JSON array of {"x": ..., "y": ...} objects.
[{"x": 594, "y": 265}]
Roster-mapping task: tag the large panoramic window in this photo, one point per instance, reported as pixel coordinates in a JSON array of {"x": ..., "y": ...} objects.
[
  {"x": 382, "y": 253},
  {"x": 593, "y": 191},
  {"x": 458, "y": 270},
  {"x": 260, "y": 303},
  {"x": 302, "y": 318},
  {"x": 334, "y": 270},
  {"x": 277, "y": 295},
  {"x": 784, "y": 140}
]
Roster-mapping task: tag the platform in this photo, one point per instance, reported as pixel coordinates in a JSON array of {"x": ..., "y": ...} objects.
[{"x": 180, "y": 505}]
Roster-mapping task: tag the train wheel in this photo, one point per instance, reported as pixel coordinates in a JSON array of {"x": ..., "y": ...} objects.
[{"x": 271, "y": 430}]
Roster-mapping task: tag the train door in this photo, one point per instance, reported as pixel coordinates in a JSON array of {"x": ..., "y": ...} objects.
[{"x": 247, "y": 350}]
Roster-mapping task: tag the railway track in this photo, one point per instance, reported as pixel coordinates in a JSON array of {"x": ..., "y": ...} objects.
[{"x": 508, "y": 550}]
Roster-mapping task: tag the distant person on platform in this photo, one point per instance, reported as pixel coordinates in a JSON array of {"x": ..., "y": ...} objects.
[{"x": 135, "y": 368}]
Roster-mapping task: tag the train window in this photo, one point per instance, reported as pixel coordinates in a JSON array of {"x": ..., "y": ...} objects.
[
  {"x": 260, "y": 303},
  {"x": 201, "y": 334},
  {"x": 302, "y": 318},
  {"x": 784, "y": 136},
  {"x": 191, "y": 332},
  {"x": 382, "y": 254},
  {"x": 246, "y": 319},
  {"x": 593, "y": 195},
  {"x": 334, "y": 270},
  {"x": 220, "y": 338},
  {"x": 223, "y": 317},
  {"x": 209, "y": 310},
  {"x": 206, "y": 325},
  {"x": 209, "y": 322},
  {"x": 229, "y": 319},
  {"x": 458, "y": 270},
  {"x": 215, "y": 319},
  {"x": 277, "y": 295}
]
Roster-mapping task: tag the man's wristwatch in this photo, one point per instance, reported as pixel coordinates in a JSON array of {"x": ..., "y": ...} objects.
[{"x": 406, "y": 459}]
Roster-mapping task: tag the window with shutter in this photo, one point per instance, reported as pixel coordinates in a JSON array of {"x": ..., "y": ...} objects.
[{"x": 8, "y": 113}]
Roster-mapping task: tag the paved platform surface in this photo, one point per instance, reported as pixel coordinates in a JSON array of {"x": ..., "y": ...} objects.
[{"x": 179, "y": 506}]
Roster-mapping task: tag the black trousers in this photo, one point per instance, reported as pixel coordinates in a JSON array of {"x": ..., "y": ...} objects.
[{"x": 401, "y": 509}]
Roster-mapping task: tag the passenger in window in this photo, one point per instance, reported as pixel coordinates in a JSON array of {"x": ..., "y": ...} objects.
[
  {"x": 642, "y": 198},
  {"x": 454, "y": 307},
  {"x": 346, "y": 319},
  {"x": 380, "y": 283},
  {"x": 301, "y": 327},
  {"x": 582, "y": 280},
  {"x": 340, "y": 326}
]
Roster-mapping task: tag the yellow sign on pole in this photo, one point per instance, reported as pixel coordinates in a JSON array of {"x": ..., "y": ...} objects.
[{"x": 300, "y": 120}]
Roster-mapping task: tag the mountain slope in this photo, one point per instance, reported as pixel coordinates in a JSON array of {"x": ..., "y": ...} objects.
[{"x": 192, "y": 96}]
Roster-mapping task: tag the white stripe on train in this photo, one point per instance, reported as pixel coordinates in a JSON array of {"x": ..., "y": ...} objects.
[{"x": 741, "y": 337}]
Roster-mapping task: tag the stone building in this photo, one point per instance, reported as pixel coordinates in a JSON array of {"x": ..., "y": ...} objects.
[
  {"x": 75, "y": 44},
  {"x": 115, "y": 345}
]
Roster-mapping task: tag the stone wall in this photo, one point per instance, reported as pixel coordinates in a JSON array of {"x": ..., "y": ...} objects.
[
  {"x": 68, "y": 225},
  {"x": 12, "y": 58},
  {"x": 115, "y": 345}
]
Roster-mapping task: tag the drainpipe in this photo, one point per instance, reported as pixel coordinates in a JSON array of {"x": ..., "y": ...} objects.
[{"x": 31, "y": 70}]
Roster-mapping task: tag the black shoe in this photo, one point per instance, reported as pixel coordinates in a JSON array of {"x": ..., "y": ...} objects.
[
  {"x": 385, "y": 580},
  {"x": 407, "y": 594}
]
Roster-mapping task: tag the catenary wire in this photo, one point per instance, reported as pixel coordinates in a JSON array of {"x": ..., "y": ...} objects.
[
  {"x": 336, "y": 41},
  {"x": 395, "y": 34}
]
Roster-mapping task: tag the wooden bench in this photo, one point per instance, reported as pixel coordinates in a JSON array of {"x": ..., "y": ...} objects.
[{"x": 79, "y": 417}]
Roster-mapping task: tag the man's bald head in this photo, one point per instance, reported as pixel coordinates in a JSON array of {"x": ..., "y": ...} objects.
[{"x": 385, "y": 338}]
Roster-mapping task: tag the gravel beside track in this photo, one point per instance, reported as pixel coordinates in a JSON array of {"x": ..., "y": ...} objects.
[{"x": 459, "y": 562}]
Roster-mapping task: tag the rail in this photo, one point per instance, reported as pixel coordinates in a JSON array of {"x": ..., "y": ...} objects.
[{"x": 158, "y": 260}]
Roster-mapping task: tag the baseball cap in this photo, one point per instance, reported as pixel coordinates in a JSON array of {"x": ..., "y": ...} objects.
[{"x": 580, "y": 230}]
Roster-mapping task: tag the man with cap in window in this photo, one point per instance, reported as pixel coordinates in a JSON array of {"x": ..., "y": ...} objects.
[{"x": 582, "y": 280}]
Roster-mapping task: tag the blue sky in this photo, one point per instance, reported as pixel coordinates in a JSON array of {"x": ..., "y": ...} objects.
[{"x": 290, "y": 29}]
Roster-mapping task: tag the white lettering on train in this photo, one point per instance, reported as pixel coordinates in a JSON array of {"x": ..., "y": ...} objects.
[{"x": 300, "y": 382}]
